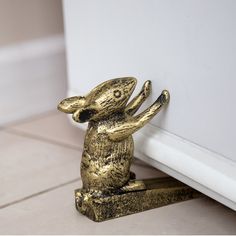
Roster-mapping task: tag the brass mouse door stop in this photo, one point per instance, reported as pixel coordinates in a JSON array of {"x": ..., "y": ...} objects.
[{"x": 109, "y": 188}]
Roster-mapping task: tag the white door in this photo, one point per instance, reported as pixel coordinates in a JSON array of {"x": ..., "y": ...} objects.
[{"x": 185, "y": 46}]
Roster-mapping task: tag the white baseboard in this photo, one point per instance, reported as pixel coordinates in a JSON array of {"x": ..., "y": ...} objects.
[
  {"x": 204, "y": 170},
  {"x": 32, "y": 78}
]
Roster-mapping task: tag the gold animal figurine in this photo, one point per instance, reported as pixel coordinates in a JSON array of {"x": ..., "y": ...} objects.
[{"x": 109, "y": 188}]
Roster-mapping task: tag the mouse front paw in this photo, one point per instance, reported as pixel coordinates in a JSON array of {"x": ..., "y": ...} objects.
[
  {"x": 164, "y": 97},
  {"x": 147, "y": 87}
]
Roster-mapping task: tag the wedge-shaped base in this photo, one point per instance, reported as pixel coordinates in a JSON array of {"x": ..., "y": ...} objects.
[{"x": 139, "y": 195}]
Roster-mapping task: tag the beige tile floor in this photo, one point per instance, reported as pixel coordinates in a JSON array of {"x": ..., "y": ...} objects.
[{"x": 39, "y": 170}]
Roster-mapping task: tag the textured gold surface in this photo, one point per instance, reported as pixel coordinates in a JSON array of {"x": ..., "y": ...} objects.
[
  {"x": 158, "y": 192},
  {"x": 108, "y": 146}
]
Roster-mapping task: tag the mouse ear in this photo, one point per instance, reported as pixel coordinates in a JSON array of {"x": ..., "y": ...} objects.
[
  {"x": 71, "y": 104},
  {"x": 84, "y": 114}
]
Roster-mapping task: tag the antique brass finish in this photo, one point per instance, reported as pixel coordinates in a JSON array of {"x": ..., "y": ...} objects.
[
  {"x": 109, "y": 188},
  {"x": 157, "y": 193}
]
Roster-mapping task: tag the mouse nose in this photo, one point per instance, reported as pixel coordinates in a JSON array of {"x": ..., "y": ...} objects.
[{"x": 130, "y": 83}]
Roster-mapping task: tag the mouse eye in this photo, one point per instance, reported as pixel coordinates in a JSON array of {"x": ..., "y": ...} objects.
[{"x": 117, "y": 93}]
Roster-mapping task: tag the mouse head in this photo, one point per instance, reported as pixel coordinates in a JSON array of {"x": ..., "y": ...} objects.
[{"x": 104, "y": 100}]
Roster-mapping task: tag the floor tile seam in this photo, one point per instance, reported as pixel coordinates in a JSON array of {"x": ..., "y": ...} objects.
[
  {"x": 30, "y": 119},
  {"x": 39, "y": 193},
  {"x": 42, "y": 139}
]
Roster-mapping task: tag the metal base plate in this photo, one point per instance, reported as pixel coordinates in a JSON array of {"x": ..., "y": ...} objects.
[{"x": 156, "y": 193}]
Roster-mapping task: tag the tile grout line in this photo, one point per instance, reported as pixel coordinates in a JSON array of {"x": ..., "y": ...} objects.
[
  {"x": 39, "y": 193},
  {"x": 36, "y": 137},
  {"x": 39, "y": 138},
  {"x": 43, "y": 139},
  {"x": 31, "y": 118}
]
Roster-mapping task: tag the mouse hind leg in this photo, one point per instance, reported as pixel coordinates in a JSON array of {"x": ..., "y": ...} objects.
[{"x": 134, "y": 185}]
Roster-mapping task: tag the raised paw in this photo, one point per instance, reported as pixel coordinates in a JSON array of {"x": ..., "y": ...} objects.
[
  {"x": 164, "y": 97},
  {"x": 147, "y": 87}
]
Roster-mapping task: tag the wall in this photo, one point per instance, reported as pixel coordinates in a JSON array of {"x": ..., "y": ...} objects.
[
  {"x": 188, "y": 47},
  {"x": 32, "y": 58},
  {"x": 29, "y": 19},
  {"x": 185, "y": 46}
]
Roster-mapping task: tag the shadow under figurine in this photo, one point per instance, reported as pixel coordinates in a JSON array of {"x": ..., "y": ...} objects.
[{"x": 109, "y": 188}]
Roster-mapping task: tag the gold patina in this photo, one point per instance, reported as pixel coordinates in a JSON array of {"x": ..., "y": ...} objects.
[{"x": 109, "y": 188}]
